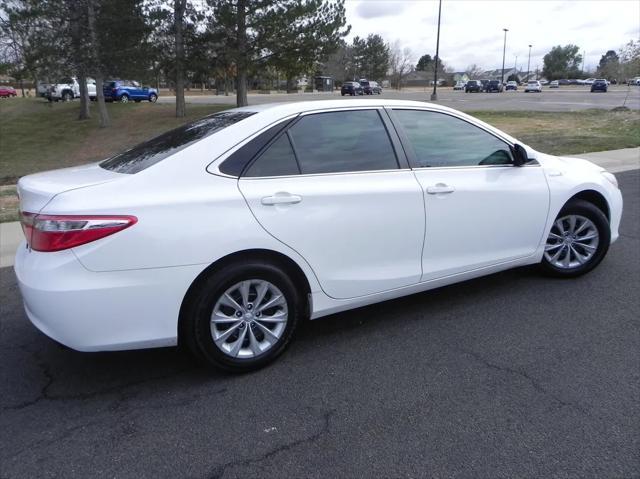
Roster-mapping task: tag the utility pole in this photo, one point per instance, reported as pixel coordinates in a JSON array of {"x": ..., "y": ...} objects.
[
  {"x": 434, "y": 95},
  {"x": 504, "y": 50},
  {"x": 529, "y": 62}
]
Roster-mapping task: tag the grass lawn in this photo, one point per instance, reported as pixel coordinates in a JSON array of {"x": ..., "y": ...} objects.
[
  {"x": 569, "y": 133},
  {"x": 36, "y": 135}
]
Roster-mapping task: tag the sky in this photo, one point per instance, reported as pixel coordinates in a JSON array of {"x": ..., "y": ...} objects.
[{"x": 471, "y": 31}]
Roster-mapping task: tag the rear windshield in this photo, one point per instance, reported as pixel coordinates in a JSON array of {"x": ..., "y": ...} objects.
[
  {"x": 157, "y": 149},
  {"x": 473, "y": 82}
]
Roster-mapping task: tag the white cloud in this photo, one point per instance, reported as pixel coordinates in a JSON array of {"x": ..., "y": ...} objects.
[
  {"x": 471, "y": 30},
  {"x": 375, "y": 9}
]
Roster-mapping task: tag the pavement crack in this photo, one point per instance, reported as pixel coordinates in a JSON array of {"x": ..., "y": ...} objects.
[
  {"x": 220, "y": 470},
  {"x": 523, "y": 374},
  {"x": 44, "y": 394}
]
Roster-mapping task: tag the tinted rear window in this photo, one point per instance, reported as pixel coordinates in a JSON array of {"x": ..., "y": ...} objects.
[{"x": 157, "y": 149}]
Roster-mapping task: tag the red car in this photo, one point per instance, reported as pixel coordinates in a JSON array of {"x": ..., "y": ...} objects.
[{"x": 7, "y": 91}]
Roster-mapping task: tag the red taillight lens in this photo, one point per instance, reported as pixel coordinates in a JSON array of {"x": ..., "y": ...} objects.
[{"x": 58, "y": 232}]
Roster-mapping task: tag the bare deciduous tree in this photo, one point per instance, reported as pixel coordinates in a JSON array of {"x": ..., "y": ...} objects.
[{"x": 400, "y": 63}]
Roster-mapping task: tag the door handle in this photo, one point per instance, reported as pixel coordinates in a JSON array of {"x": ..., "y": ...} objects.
[
  {"x": 440, "y": 188},
  {"x": 281, "y": 199}
]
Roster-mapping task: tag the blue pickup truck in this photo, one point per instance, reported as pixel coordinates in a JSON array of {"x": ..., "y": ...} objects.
[{"x": 126, "y": 90}]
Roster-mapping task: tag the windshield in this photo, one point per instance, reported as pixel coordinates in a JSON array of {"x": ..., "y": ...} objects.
[{"x": 157, "y": 149}]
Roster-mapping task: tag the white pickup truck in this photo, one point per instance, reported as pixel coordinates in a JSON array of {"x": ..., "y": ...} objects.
[{"x": 68, "y": 88}]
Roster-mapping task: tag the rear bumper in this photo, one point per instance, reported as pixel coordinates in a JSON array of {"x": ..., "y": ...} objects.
[{"x": 106, "y": 311}]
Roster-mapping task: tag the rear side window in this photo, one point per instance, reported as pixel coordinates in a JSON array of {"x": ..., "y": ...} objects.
[
  {"x": 342, "y": 141},
  {"x": 277, "y": 160},
  {"x": 157, "y": 149}
]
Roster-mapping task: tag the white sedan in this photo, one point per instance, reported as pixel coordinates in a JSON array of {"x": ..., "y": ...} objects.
[
  {"x": 534, "y": 86},
  {"x": 224, "y": 234}
]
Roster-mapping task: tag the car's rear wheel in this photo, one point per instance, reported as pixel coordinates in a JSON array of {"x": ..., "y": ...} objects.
[
  {"x": 578, "y": 240},
  {"x": 67, "y": 96},
  {"x": 124, "y": 99},
  {"x": 242, "y": 317}
]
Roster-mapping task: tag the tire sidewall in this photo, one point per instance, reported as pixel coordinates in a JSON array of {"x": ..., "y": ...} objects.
[
  {"x": 592, "y": 212},
  {"x": 208, "y": 294}
]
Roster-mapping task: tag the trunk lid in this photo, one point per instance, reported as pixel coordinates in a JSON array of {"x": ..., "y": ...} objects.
[{"x": 36, "y": 190}]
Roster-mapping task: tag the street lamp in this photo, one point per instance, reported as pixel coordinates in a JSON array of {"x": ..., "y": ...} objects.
[
  {"x": 529, "y": 62},
  {"x": 504, "y": 50},
  {"x": 434, "y": 95}
]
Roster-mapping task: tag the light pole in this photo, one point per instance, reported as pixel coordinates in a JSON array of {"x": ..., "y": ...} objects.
[
  {"x": 529, "y": 62},
  {"x": 434, "y": 95},
  {"x": 504, "y": 50}
]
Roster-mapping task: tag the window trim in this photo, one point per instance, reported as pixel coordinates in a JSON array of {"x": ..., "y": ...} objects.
[{"x": 410, "y": 152}]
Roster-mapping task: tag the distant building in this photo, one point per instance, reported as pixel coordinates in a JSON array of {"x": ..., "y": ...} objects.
[{"x": 497, "y": 74}]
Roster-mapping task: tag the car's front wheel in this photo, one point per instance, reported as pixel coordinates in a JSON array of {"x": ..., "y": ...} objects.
[
  {"x": 578, "y": 240},
  {"x": 242, "y": 317},
  {"x": 153, "y": 98}
]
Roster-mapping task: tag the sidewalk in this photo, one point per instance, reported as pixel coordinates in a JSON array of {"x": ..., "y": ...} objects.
[{"x": 614, "y": 161}]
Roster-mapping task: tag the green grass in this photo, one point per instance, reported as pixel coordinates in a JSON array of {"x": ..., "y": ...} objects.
[
  {"x": 36, "y": 135},
  {"x": 569, "y": 133}
]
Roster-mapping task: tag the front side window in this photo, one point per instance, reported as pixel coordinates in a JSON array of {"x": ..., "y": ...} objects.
[
  {"x": 342, "y": 141},
  {"x": 441, "y": 140}
]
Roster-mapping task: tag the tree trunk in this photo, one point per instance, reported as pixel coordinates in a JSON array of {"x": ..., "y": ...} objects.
[
  {"x": 241, "y": 97},
  {"x": 84, "y": 114},
  {"x": 105, "y": 121},
  {"x": 179, "y": 8},
  {"x": 22, "y": 87}
]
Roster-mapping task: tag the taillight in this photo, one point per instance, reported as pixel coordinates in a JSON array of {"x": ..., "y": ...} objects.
[{"x": 58, "y": 232}]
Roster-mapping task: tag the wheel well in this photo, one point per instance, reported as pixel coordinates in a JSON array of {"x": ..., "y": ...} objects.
[
  {"x": 595, "y": 199},
  {"x": 273, "y": 257}
]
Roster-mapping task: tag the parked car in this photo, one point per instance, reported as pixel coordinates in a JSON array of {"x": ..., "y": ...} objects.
[
  {"x": 512, "y": 85},
  {"x": 554, "y": 84},
  {"x": 564, "y": 82},
  {"x": 68, "y": 88},
  {"x": 351, "y": 88},
  {"x": 589, "y": 81},
  {"x": 484, "y": 83},
  {"x": 459, "y": 86},
  {"x": 225, "y": 233},
  {"x": 599, "y": 85},
  {"x": 473, "y": 86},
  {"x": 534, "y": 86},
  {"x": 493, "y": 85},
  {"x": 125, "y": 90},
  {"x": 7, "y": 91},
  {"x": 42, "y": 89},
  {"x": 370, "y": 87}
]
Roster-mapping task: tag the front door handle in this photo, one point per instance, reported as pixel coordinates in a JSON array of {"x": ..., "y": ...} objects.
[
  {"x": 439, "y": 189},
  {"x": 281, "y": 199}
]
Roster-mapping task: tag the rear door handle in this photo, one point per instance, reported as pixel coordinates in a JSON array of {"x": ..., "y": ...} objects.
[
  {"x": 281, "y": 199},
  {"x": 440, "y": 188}
]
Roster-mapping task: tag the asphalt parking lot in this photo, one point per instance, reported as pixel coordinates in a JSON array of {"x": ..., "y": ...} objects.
[
  {"x": 562, "y": 99},
  {"x": 512, "y": 375}
]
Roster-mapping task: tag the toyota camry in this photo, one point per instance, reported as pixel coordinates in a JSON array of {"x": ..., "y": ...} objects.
[{"x": 224, "y": 234}]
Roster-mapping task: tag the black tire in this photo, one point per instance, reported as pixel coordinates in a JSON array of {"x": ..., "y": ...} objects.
[
  {"x": 124, "y": 99},
  {"x": 153, "y": 98},
  {"x": 599, "y": 219},
  {"x": 67, "y": 96},
  {"x": 196, "y": 328}
]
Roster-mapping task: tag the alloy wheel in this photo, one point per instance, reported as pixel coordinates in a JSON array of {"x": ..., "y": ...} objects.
[
  {"x": 572, "y": 242},
  {"x": 249, "y": 318}
]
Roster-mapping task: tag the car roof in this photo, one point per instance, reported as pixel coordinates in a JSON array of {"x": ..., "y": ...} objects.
[{"x": 290, "y": 108}]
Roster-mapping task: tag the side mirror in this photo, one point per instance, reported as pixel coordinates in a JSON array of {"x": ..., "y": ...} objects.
[{"x": 520, "y": 156}]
